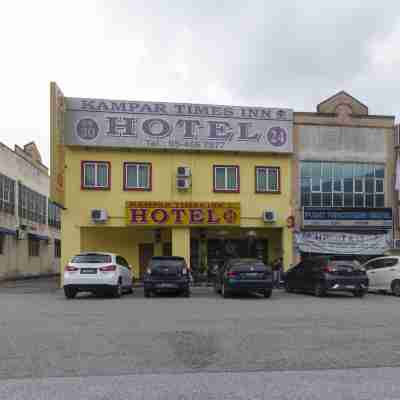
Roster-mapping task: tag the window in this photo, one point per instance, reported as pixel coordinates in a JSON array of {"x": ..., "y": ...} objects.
[
  {"x": 137, "y": 176},
  {"x": 332, "y": 184},
  {"x": 7, "y": 195},
  {"x": 96, "y": 174},
  {"x": 54, "y": 215},
  {"x": 122, "y": 261},
  {"x": 226, "y": 178},
  {"x": 34, "y": 246},
  {"x": 2, "y": 243},
  {"x": 267, "y": 180},
  {"x": 31, "y": 205},
  {"x": 57, "y": 248}
]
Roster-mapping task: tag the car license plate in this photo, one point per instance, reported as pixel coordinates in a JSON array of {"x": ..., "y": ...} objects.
[
  {"x": 166, "y": 285},
  {"x": 349, "y": 286},
  {"x": 252, "y": 275},
  {"x": 88, "y": 271}
]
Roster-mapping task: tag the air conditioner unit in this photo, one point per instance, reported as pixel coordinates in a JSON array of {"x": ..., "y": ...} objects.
[
  {"x": 269, "y": 216},
  {"x": 99, "y": 215},
  {"x": 182, "y": 183},
  {"x": 183, "y": 172},
  {"x": 396, "y": 243},
  {"x": 21, "y": 234}
]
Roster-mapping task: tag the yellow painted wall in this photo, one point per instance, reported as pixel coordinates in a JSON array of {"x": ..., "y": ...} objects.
[{"x": 78, "y": 230}]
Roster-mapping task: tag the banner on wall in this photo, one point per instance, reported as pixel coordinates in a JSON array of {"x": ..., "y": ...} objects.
[
  {"x": 342, "y": 243},
  {"x": 163, "y": 213}
]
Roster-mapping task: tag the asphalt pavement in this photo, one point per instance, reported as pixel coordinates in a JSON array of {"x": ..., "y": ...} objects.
[{"x": 48, "y": 340}]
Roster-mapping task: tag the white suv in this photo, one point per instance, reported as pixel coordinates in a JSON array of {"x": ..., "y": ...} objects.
[
  {"x": 97, "y": 273},
  {"x": 384, "y": 274}
]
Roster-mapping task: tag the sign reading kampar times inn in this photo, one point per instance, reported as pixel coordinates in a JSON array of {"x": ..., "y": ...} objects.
[{"x": 108, "y": 123}]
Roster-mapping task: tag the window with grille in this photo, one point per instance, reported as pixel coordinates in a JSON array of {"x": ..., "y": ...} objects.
[
  {"x": 95, "y": 174},
  {"x": 267, "y": 180},
  {"x": 57, "y": 248},
  {"x": 226, "y": 178},
  {"x": 7, "y": 195},
  {"x": 137, "y": 176},
  {"x": 331, "y": 184},
  {"x": 31, "y": 204},
  {"x": 34, "y": 246}
]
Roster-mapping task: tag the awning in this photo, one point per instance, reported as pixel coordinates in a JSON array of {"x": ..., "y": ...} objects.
[
  {"x": 38, "y": 237},
  {"x": 7, "y": 231}
]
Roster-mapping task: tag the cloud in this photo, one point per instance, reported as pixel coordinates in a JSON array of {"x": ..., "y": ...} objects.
[{"x": 290, "y": 54}]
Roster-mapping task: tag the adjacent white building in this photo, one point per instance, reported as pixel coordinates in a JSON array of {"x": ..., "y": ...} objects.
[{"x": 29, "y": 223}]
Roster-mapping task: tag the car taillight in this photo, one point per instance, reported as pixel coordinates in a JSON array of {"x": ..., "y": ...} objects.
[
  {"x": 108, "y": 268},
  {"x": 148, "y": 271},
  {"x": 232, "y": 274},
  {"x": 329, "y": 269},
  {"x": 70, "y": 268}
]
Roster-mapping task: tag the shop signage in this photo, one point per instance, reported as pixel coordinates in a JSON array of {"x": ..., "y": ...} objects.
[
  {"x": 342, "y": 243},
  {"x": 57, "y": 154},
  {"x": 182, "y": 213},
  {"x": 179, "y": 126},
  {"x": 370, "y": 218}
]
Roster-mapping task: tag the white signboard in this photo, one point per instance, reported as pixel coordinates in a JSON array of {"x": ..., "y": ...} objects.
[
  {"x": 134, "y": 124},
  {"x": 342, "y": 243}
]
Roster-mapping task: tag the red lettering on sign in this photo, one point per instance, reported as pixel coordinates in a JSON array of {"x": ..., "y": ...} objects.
[
  {"x": 196, "y": 216},
  {"x": 179, "y": 213},
  {"x": 138, "y": 215},
  {"x": 157, "y": 213},
  {"x": 212, "y": 218}
]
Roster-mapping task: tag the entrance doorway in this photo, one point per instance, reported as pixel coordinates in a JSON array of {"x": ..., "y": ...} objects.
[{"x": 146, "y": 251}]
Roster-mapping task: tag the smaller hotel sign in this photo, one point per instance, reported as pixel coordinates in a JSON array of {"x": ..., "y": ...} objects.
[{"x": 182, "y": 213}]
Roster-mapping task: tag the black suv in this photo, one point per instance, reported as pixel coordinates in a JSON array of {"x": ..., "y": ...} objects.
[
  {"x": 244, "y": 275},
  {"x": 167, "y": 274},
  {"x": 319, "y": 275}
]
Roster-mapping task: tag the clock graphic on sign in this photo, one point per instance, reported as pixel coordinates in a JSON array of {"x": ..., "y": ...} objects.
[{"x": 277, "y": 136}]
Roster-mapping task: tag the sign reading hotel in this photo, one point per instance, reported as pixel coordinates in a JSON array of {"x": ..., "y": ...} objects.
[
  {"x": 182, "y": 213},
  {"x": 179, "y": 126}
]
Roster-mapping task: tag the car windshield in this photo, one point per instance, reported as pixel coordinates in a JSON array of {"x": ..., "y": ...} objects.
[
  {"x": 91, "y": 259},
  {"x": 248, "y": 265},
  {"x": 170, "y": 264}
]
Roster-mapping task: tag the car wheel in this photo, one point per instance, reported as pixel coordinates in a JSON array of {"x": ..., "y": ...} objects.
[
  {"x": 130, "y": 290},
  {"x": 70, "y": 293},
  {"x": 396, "y": 288},
  {"x": 117, "y": 290},
  {"x": 267, "y": 293},
  {"x": 186, "y": 293},
  {"x": 319, "y": 290},
  {"x": 147, "y": 293},
  {"x": 359, "y": 293}
]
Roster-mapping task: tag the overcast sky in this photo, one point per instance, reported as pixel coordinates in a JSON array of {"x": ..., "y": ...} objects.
[{"x": 284, "y": 53}]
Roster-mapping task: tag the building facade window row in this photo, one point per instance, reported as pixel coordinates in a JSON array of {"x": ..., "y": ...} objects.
[
  {"x": 138, "y": 176},
  {"x": 31, "y": 204},
  {"x": 7, "y": 194},
  {"x": 334, "y": 184}
]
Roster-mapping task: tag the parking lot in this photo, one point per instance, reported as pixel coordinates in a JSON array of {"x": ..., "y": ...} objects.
[{"x": 45, "y": 335}]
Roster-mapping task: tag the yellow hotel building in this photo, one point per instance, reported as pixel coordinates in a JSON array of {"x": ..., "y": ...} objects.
[{"x": 140, "y": 179}]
